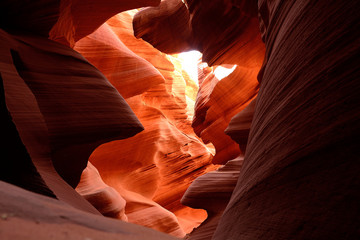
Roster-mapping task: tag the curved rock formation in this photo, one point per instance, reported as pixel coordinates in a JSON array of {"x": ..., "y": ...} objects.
[
  {"x": 300, "y": 175},
  {"x": 217, "y": 102},
  {"x": 161, "y": 162},
  {"x": 61, "y": 131},
  {"x": 301, "y": 171},
  {"x": 212, "y": 192},
  {"x": 78, "y": 110},
  {"x": 207, "y": 34}
]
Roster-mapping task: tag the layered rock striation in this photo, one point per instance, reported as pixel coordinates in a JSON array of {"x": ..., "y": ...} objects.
[{"x": 159, "y": 163}]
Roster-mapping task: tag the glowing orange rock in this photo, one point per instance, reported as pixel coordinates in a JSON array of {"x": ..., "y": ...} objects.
[
  {"x": 160, "y": 163},
  {"x": 217, "y": 101}
]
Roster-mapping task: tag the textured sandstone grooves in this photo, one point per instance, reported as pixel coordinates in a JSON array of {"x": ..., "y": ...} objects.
[
  {"x": 156, "y": 166},
  {"x": 300, "y": 177}
]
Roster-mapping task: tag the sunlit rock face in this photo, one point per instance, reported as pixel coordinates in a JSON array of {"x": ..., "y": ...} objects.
[
  {"x": 301, "y": 168},
  {"x": 152, "y": 170},
  {"x": 298, "y": 129},
  {"x": 238, "y": 43},
  {"x": 217, "y": 102}
]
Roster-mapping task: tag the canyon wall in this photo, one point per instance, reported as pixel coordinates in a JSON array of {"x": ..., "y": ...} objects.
[
  {"x": 300, "y": 172},
  {"x": 85, "y": 104}
]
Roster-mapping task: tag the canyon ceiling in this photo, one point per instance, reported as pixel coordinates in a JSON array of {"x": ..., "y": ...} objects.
[{"x": 104, "y": 130}]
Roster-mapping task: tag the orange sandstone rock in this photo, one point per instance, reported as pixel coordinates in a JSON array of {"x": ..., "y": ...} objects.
[{"x": 160, "y": 163}]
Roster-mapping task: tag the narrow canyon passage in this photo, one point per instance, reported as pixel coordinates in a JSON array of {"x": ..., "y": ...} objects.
[{"x": 179, "y": 119}]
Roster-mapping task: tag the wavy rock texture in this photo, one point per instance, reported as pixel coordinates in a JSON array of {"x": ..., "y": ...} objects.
[
  {"x": 212, "y": 192},
  {"x": 161, "y": 162},
  {"x": 40, "y": 217},
  {"x": 56, "y": 125},
  {"x": 301, "y": 169},
  {"x": 217, "y": 101}
]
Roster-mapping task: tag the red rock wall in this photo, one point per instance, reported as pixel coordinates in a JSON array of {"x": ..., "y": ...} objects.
[{"x": 301, "y": 171}]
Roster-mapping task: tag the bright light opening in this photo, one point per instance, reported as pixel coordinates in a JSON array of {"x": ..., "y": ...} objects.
[
  {"x": 190, "y": 62},
  {"x": 223, "y": 71}
]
